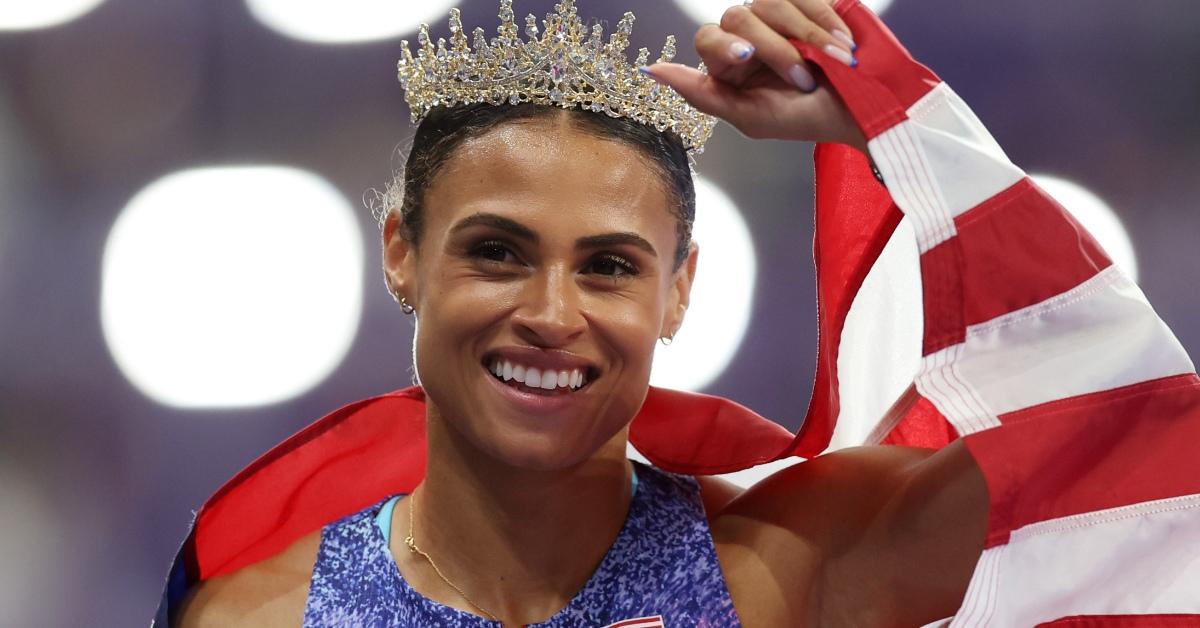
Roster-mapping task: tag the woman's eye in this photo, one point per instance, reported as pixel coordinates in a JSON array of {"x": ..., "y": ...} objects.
[
  {"x": 493, "y": 252},
  {"x": 612, "y": 266}
]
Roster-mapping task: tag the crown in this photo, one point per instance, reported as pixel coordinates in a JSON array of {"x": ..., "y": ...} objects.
[{"x": 567, "y": 65}]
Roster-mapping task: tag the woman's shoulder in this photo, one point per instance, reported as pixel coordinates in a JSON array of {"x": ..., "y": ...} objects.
[{"x": 272, "y": 592}]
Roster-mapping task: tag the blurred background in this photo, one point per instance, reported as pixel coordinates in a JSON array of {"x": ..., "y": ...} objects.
[{"x": 188, "y": 271}]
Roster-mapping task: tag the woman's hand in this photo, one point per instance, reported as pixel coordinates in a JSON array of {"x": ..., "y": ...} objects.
[{"x": 757, "y": 80}]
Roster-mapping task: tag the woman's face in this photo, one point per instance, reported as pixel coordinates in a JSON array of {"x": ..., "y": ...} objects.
[{"x": 547, "y": 256}]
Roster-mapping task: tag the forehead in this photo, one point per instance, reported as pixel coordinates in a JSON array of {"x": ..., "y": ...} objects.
[{"x": 547, "y": 171}]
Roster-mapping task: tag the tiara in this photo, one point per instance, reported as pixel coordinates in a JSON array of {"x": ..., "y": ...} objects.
[{"x": 568, "y": 65}]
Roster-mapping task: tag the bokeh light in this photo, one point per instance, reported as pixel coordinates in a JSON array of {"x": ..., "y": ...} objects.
[
  {"x": 1096, "y": 216},
  {"x": 349, "y": 21},
  {"x": 722, "y": 296},
  {"x": 710, "y": 11},
  {"x": 32, "y": 14},
  {"x": 232, "y": 286}
]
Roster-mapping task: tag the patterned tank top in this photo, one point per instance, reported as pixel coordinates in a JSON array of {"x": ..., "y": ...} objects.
[{"x": 661, "y": 571}]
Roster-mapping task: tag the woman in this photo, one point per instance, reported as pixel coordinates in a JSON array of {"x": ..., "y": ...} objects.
[{"x": 544, "y": 250}]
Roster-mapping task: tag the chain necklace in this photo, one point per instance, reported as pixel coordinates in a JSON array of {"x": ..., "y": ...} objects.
[{"x": 412, "y": 546}]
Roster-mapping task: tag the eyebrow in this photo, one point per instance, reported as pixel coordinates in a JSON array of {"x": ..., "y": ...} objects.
[
  {"x": 519, "y": 230},
  {"x": 616, "y": 239},
  {"x": 513, "y": 227}
]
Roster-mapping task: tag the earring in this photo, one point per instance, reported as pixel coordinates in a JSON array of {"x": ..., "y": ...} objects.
[{"x": 405, "y": 307}]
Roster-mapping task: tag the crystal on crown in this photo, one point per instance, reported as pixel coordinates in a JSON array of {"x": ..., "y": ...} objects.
[{"x": 565, "y": 64}]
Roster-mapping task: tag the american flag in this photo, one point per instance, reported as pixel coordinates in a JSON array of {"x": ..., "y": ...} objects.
[{"x": 1076, "y": 401}]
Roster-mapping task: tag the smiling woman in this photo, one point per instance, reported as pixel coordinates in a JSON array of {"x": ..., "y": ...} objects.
[
  {"x": 541, "y": 237},
  {"x": 520, "y": 251}
]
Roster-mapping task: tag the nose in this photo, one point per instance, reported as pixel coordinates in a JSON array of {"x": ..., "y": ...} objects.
[{"x": 549, "y": 314}]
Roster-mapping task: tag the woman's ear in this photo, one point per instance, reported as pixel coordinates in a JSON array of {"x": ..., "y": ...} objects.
[
  {"x": 681, "y": 293},
  {"x": 399, "y": 259}
]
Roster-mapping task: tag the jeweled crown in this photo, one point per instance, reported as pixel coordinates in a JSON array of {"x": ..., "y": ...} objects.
[{"x": 567, "y": 65}]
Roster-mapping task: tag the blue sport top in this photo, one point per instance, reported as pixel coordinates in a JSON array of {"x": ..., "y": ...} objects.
[{"x": 661, "y": 570}]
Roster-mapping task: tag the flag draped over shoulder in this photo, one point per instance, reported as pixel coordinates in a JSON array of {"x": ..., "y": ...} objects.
[{"x": 1077, "y": 402}]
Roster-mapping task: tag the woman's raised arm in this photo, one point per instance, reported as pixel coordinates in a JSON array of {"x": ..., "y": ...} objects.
[{"x": 1073, "y": 399}]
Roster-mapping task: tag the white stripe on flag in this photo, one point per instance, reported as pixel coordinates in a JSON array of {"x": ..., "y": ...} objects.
[
  {"x": 1100, "y": 335},
  {"x": 1141, "y": 559}
]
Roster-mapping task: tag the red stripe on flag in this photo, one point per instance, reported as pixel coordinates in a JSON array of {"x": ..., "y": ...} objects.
[
  {"x": 1014, "y": 250},
  {"x": 1019, "y": 248},
  {"x": 922, "y": 426},
  {"x": 941, "y": 285},
  {"x": 1092, "y": 452}
]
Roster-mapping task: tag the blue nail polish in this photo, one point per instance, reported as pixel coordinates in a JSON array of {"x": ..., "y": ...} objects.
[
  {"x": 854, "y": 63},
  {"x": 646, "y": 71}
]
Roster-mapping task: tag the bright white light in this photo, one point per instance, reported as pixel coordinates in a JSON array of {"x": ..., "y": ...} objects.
[
  {"x": 721, "y": 296},
  {"x": 710, "y": 11},
  {"x": 347, "y": 21},
  {"x": 232, "y": 286},
  {"x": 1096, "y": 216},
  {"x": 31, "y": 14}
]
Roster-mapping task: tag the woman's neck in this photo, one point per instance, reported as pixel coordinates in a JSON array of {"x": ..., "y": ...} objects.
[{"x": 520, "y": 543}]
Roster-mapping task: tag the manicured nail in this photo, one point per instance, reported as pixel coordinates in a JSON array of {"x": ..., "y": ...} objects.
[
  {"x": 845, "y": 38},
  {"x": 802, "y": 78},
  {"x": 741, "y": 51},
  {"x": 840, "y": 54},
  {"x": 646, "y": 71}
]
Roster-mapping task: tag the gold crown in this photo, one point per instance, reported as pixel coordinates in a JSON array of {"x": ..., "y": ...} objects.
[{"x": 566, "y": 66}]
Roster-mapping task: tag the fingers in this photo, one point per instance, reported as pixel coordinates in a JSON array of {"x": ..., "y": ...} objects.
[
  {"x": 821, "y": 12},
  {"x": 794, "y": 21},
  {"x": 728, "y": 57},
  {"x": 770, "y": 44}
]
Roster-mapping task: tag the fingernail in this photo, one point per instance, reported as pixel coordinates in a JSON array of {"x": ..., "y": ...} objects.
[
  {"x": 840, "y": 54},
  {"x": 802, "y": 78},
  {"x": 845, "y": 38},
  {"x": 741, "y": 51},
  {"x": 646, "y": 71}
]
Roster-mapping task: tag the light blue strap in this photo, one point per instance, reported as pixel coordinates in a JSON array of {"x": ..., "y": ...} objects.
[{"x": 384, "y": 519}]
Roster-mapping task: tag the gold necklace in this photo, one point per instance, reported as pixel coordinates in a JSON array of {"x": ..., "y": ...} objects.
[{"x": 412, "y": 546}]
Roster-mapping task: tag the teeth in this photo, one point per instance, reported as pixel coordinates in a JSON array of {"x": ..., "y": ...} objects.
[{"x": 536, "y": 378}]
